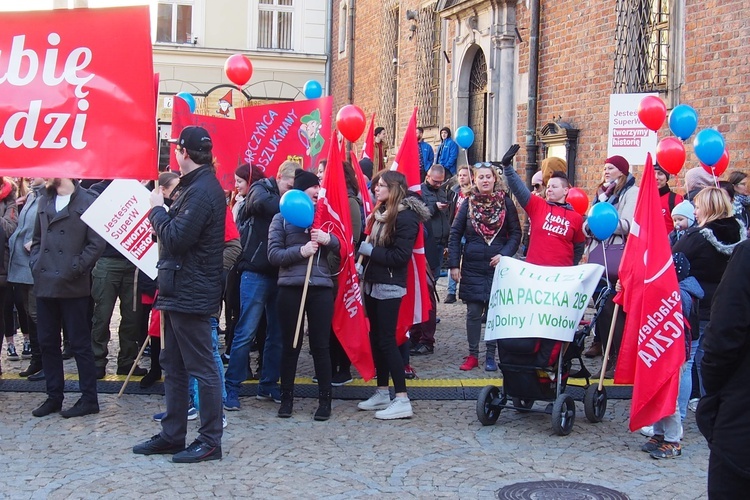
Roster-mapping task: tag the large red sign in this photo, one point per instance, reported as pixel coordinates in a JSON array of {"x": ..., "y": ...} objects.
[
  {"x": 76, "y": 98},
  {"x": 264, "y": 136}
]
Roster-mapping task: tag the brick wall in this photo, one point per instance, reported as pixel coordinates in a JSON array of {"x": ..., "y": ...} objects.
[{"x": 576, "y": 71}]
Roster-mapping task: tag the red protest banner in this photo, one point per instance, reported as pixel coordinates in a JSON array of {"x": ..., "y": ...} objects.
[
  {"x": 72, "y": 102},
  {"x": 264, "y": 136}
]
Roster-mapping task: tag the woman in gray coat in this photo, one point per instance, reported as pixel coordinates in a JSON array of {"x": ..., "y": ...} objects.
[{"x": 290, "y": 247}]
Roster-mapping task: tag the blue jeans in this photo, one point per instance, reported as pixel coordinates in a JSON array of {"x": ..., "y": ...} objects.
[
  {"x": 193, "y": 384},
  {"x": 686, "y": 381},
  {"x": 257, "y": 295}
]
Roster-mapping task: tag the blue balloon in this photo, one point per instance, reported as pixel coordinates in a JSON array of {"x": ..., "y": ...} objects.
[
  {"x": 683, "y": 120},
  {"x": 709, "y": 146},
  {"x": 189, "y": 99},
  {"x": 464, "y": 137},
  {"x": 312, "y": 89},
  {"x": 297, "y": 208},
  {"x": 603, "y": 219}
]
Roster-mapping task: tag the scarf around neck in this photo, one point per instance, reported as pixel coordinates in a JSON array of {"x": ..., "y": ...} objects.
[{"x": 487, "y": 213}]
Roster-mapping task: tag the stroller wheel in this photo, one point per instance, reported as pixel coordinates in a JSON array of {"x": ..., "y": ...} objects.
[
  {"x": 595, "y": 403},
  {"x": 523, "y": 405},
  {"x": 563, "y": 414},
  {"x": 487, "y": 405}
]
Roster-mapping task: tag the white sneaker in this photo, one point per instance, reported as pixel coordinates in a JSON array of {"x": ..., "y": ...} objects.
[
  {"x": 378, "y": 401},
  {"x": 399, "y": 408},
  {"x": 682, "y": 432},
  {"x": 647, "y": 431},
  {"x": 192, "y": 413},
  {"x": 693, "y": 404},
  {"x": 223, "y": 421}
]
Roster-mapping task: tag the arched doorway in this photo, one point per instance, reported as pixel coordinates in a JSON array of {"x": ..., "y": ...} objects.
[{"x": 478, "y": 107}]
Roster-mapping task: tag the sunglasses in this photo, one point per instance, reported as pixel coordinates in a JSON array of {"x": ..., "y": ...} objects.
[{"x": 484, "y": 164}]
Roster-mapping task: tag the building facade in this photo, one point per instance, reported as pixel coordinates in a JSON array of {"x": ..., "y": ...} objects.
[
  {"x": 285, "y": 40},
  {"x": 475, "y": 63}
]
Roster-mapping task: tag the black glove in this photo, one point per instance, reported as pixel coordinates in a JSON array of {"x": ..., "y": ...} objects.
[{"x": 508, "y": 158}]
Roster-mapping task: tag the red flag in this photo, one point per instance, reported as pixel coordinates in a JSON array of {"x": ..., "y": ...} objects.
[
  {"x": 416, "y": 305},
  {"x": 653, "y": 345},
  {"x": 349, "y": 320},
  {"x": 368, "y": 150},
  {"x": 364, "y": 192}
]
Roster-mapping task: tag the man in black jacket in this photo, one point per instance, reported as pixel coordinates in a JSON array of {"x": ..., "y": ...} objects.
[
  {"x": 63, "y": 251},
  {"x": 722, "y": 412},
  {"x": 436, "y": 199},
  {"x": 258, "y": 289},
  {"x": 191, "y": 241}
]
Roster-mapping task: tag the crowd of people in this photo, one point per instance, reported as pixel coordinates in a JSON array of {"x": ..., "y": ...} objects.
[{"x": 238, "y": 254}]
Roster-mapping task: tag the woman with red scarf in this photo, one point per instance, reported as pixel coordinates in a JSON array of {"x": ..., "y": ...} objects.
[{"x": 488, "y": 220}]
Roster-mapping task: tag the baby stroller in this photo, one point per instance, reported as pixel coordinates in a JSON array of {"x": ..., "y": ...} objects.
[{"x": 537, "y": 369}]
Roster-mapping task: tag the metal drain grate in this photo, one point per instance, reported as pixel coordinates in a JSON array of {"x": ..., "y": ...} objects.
[{"x": 558, "y": 490}]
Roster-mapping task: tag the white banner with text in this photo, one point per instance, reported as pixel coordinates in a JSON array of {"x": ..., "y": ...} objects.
[{"x": 538, "y": 301}]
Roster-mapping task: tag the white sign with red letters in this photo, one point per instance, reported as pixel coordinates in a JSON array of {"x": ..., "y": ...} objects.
[{"x": 120, "y": 216}]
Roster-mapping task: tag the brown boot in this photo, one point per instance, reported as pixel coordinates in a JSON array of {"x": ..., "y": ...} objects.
[{"x": 594, "y": 351}]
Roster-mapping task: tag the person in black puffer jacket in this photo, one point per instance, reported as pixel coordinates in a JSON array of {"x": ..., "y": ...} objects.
[
  {"x": 708, "y": 247},
  {"x": 488, "y": 220},
  {"x": 191, "y": 240},
  {"x": 290, "y": 248},
  {"x": 393, "y": 228},
  {"x": 722, "y": 412}
]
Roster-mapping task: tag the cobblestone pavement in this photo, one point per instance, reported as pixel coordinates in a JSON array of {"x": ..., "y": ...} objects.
[{"x": 442, "y": 452}]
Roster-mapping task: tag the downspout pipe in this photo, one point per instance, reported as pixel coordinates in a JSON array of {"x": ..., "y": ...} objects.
[
  {"x": 531, "y": 123},
  {"x": 350, "y": 54},
  {"x": 329, "y": 47}
]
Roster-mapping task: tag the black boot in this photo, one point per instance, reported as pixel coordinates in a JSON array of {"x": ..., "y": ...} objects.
[
  {"x": 154, "y": 373},
  {"x": 323, "y": 412},
  {"x": 34, "y": 367},
  {"x": 287, "y": 404},
  {"x": 67, "y": 353}
]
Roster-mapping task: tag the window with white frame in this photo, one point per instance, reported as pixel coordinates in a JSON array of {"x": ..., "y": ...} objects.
[
  {"x": 174, "y": 21},
  {"x": 275, "y": 24}
]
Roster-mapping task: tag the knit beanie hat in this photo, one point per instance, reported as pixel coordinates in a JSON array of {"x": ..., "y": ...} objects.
[
  {"x": 620, "y": 163},
  {"x": 685, "y": 209},
  {"x": 553, "y": 164},
  {"x": 304, "y": 179},
  {"x": 697, "y": 178},
  {"x": 243, "y": 172},
  {"x": 681, "y": 265},
  {"x": 658, "y": 168}
]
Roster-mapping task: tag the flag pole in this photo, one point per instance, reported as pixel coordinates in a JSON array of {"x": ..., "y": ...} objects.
[
  {"x": 134, "y": 365},
  {"x": 609, "y": 345},
  {"x": 302, "y": 301}
]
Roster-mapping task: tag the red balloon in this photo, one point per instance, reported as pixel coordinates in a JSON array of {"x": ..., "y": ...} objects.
[
  {"x": 670, "y": 154},
  {"x": 720, "y": 167},
  {"x": 578, "y": 200},
  {"x": 350, "y": 120},
  {"x": 652, "y": 111},
  {"x": 238, "y": 69}
]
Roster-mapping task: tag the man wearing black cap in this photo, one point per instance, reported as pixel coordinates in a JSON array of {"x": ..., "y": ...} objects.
[{"x": 191, "y": 241}]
